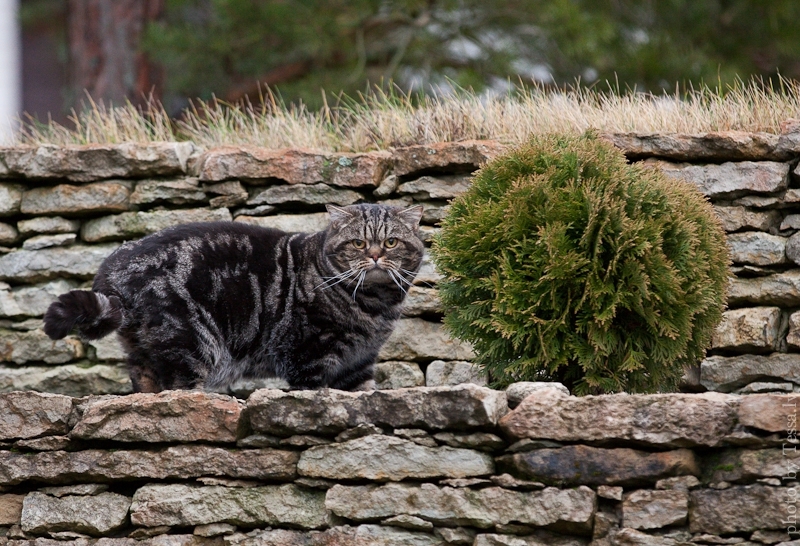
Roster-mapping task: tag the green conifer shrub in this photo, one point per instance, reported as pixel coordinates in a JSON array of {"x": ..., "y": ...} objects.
[{"x": 564, "y": 263}]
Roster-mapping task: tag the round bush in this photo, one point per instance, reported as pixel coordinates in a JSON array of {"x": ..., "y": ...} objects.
[{"x": 564, "y": 263}]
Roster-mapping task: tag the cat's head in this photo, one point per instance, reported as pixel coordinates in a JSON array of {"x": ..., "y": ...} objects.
[{"x": 374, "y": 243}]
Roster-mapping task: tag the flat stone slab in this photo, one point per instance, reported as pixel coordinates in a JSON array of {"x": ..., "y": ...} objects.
[
  {"x": 748, "y": 329},
  {"x": 176, "y": 462},
  {"x": 739, "y": 509},
  {"x": 21, "y": 347},
  {"x": 66, "y": 199},
  {"x": 585, "y": 465},
  {"x": 169, "y": 416},
  {"x": 33, "y": 414},
  {"x": 417, "y": 339},
  {"x": 294, "y": 166},
  {"x": 714, "y": 146},
  {"x": 725, "y": 374},
  {"x": 665, "y": 420},
  {"x": 290, "y": 223},
  {"x": 466, "y": 156},
  {"x": 132, "y": 225},
  {"x": 749, "y": 465},
  {"x": 770, "y": 412},
  {"x": 757, "y": 248},
  {"x": 729, "y": 180},
  {"x": 95, "y": 515},
  {"x": 309, "y": 194},
  {"x": 76, "y": 380},
  {"x": 283, "y": 505},
  {"x": 90, "y": 162},
  {"x": 645, "y": 509},
  {"x": 10, "y": 198},
  {"x": 571, "y": 509},
  {"x": 389, "y": 458},
  {"x": 32, "y": 266},
  {"x": 781, "y": 289},
  {"x": 736, "y": 218},
  {"x": 329, "y": 412}
]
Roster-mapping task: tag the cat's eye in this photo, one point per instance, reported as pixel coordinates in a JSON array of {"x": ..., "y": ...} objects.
[
  {"x": 359, "y": 244},
  {"x": 391, "y": 242}
]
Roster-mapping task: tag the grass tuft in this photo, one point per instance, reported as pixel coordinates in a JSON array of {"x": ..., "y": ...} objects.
[{"x": 380, "y": 119}]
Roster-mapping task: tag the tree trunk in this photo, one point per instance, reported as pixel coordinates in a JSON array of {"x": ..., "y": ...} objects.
[{"x": 104, "y": 56}]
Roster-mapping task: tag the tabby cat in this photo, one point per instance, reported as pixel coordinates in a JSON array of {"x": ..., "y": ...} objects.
[{"x": 202, "y": 305}]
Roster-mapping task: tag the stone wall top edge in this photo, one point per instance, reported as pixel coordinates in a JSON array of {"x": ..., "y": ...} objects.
[{"x": 136, "y": 160}]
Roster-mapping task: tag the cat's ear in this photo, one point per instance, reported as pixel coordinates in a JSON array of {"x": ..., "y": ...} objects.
[
  {"x": 411, "y": 216},
  {"x": 338, "y": 214}
]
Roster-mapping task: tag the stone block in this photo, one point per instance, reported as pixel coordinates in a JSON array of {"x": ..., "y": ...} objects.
[
  {"x": 34, "y": 346},
  {"x": 664, "y": 420},
  {"x": 47, "y": 241},
  {"x": 290, "y": 223},
  {"x": 398, "y": 374},
  {"x": 757, "y": 248},
  {"x": 490, "y": 539},
  {"x": 739, "y": 509},
  {"x": 586, "y": 465},
  {"x": 729, "y": 180},
  {"x": 76, "y": 380},
  {"x": 389, "y": 458},
  {"x": 464, "y": 156},
  {"x": 10, "y": 198},
  {"x": 769, "y": 412},
  {"x": 713, "y": 146},
  {"x": 168, "y": 416},
  {"x": 108, "y": 349},
  {"x": 183, "y": 505},
  {"x": 31, "y": 301},
  {"x": 416, "y": 339},
  {"x": 440, "y": 373},
  {"x": 427, "y": 275},
  {"x": 307, "y": 194},
  {"x": 131, "y": 225},
  {"x": 566, "y": 509},
  {"x": 726, "y": 374},
  {"x": 436, "y": 187},
  {"x": 517, "y": 392},
  {"x": 47, "y": 225},
  {"x": 10, "y": 509},
  {"x": 781, "y": 289},
  {"x": 646, "y": 509},
  {"x": 793, "y": 248},
  {"x": 294, "y": 166},
  {"x": 66, "y": 199},
  {"x": 329, "y": 412},
  {"x": 737, "y": 218},
  {"x": 183, "y": 191},
  {"x": 33, "y": 414},
  {"x": 85, "y": 163},
  {"x": 95, "y": 515},
  {"x": 422, "y": 301},
  {"x": 179, "y": 462},
  {"x": 33, "y": 266},
  {"x": 749, "y": 465},
  {"x": 751, "y": 329},
  {"x": 8, "y": 234}
]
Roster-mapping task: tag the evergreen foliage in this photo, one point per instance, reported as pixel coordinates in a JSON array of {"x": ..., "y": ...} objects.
[{"x": 565, "y": 263}]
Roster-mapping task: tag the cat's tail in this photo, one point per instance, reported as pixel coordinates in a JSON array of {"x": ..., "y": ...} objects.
[{"x": 94, "y": 314}]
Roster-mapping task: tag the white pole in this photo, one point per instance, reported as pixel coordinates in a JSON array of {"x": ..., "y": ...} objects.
[{"x": 10, "y": 69}]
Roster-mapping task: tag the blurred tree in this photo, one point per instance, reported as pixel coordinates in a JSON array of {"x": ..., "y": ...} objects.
[
  {"x": 227, "y": 47},
  {"x": 105, "y": 59}
]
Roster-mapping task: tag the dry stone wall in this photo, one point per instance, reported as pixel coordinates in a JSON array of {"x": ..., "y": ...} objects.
[
  {"x": 64, "y": 209},
  {"x": 419, "y": 461},
  {"x": 422, "y": 466}
]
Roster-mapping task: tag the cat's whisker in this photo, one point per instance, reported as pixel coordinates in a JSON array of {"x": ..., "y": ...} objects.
[
  {"x": 338, "y": 278},
  {"x": 360, "y": 279},
  {"x": 393, "y": 275}
]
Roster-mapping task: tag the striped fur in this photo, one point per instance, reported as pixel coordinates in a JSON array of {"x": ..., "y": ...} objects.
[{"x": 207, "y": 303}]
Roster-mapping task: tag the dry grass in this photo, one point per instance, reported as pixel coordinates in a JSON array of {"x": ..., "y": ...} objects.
[{"x": 379, "y": 120}]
